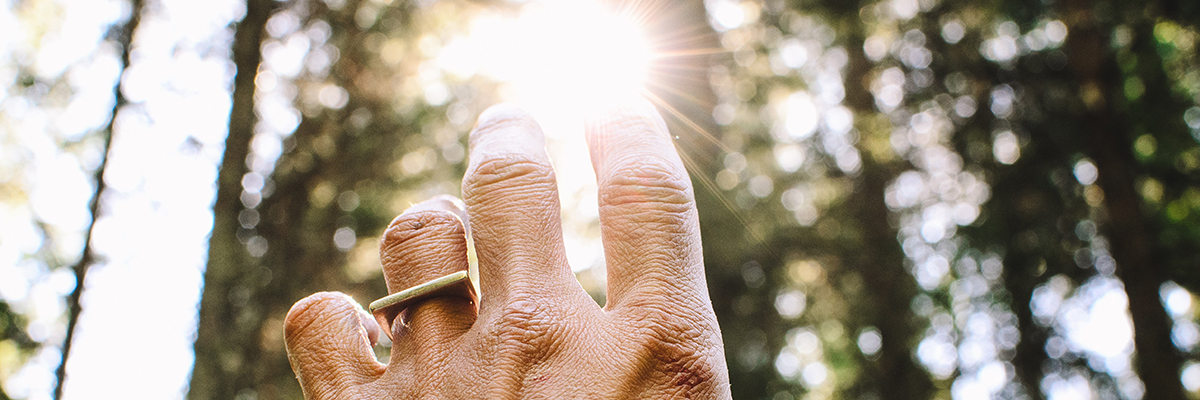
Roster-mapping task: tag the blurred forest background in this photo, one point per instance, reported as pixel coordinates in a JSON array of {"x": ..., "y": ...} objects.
[{"x": 900, "y": 199}]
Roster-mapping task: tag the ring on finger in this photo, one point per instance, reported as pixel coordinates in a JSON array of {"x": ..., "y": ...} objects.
[{"x": 387, "y": 308}]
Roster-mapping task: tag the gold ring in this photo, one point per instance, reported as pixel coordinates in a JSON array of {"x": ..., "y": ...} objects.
[{"x": 387, "y": 308}]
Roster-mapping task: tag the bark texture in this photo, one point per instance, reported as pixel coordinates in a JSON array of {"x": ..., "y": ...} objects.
[{"x": 226, "y": 341}]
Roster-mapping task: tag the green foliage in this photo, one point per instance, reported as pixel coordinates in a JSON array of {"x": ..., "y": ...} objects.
[{"x": 985, "y": 75}]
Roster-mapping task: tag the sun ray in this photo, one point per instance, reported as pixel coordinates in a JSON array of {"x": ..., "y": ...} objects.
[
  {"x": 695, "y": 127},
  {"x": 561, "y": 58},
  {"x": 698, "y": 171}
]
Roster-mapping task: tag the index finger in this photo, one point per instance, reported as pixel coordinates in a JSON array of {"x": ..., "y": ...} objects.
[{"x": 648, "y": 218}]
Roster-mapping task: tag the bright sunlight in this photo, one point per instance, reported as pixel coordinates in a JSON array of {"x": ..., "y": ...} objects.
[
  {"x": 556, "y": 54},
  {"x": 558, "y": 59}
]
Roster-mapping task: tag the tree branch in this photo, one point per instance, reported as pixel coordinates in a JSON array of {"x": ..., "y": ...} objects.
[{"x": 124, "y": 40}]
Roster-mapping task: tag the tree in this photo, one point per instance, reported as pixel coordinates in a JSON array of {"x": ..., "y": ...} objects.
[
  {"x": 949, "y": 99},
  {"x": 124, "y": 40},
  {"x": 360, "y": 153},
  {"x": 219, "y": 370}
]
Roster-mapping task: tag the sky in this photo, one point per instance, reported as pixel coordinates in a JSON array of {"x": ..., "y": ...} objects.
[{"x": 134, "y": 339}]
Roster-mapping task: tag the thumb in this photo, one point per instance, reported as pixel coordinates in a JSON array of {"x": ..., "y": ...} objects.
[{"x": 328, "y": 346}]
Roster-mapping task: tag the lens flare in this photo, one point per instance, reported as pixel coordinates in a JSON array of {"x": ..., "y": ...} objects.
[{"x": 575, "y": 54}]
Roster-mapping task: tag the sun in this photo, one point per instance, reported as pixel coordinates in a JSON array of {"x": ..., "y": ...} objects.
[
  {"x": 560, "y": 60},
  {"x": 577, "y": 54}
]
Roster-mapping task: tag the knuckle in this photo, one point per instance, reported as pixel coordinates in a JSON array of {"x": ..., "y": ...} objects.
[
  {"x": 680, "y": 350},
  {"x": 660, "y": 322},
  {"x": 419, "y": 226},
  {"x": 312, "y": 331},
  {"x": 688, "y": 370},
  {"x": 421, "y": 245},
  {"x": 507, "y": 173},
  {"x": 650, "y": 184},
  {"x": 314, "y": 314},
  {"x": 526, "y": 333}
]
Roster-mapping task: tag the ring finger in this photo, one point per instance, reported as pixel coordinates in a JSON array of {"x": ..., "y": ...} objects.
[{"x": 425, "y": 243}]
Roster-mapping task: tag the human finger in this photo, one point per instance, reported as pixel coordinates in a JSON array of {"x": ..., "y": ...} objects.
[
  {"x": 328, "y": 346},
  {"x": 512, "y": 198},
  {"x": 648, "y": 219},
  {"x": 423, "y": 246}
]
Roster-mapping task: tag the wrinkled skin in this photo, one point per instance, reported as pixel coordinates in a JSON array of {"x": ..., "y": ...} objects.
[{"x": 534, "y": 333}]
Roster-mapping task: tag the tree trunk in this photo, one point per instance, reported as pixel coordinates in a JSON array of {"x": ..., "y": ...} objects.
[
  {"x": 221, "y": 348},
  {"x": 74, "y": 308},
  {"x": 880, "y": 262},
  {"x": 1158, "y": 362},
  {"x": 333, "y": 152},
  {"x": 1031, "y": 349}
]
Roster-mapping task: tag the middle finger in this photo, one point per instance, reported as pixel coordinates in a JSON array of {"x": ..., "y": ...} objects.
[{"x": 512, "y": 198}]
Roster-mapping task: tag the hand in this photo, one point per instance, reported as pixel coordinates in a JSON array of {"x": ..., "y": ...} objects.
[{"x": 534, "y": 333}]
